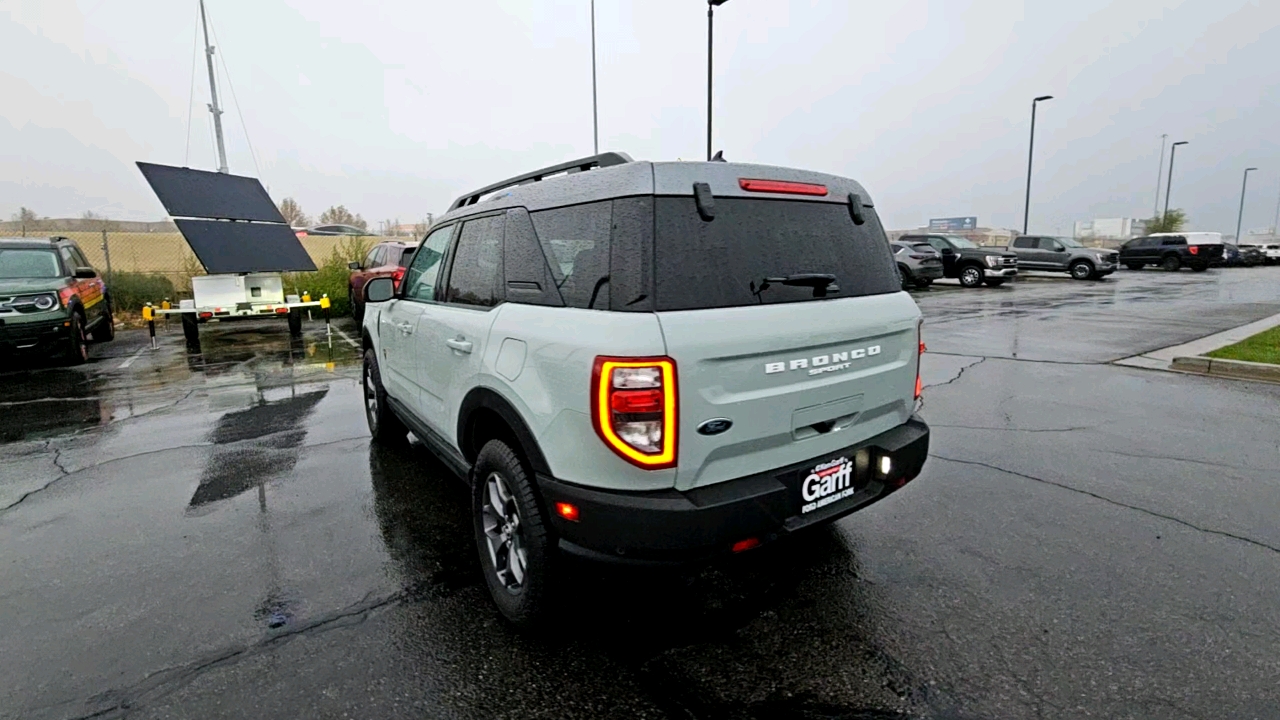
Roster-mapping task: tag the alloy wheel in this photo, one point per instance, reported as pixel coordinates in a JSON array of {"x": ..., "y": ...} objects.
[
  {"x": 370, "y": 397},
  {"x": 503, "y": 534}
]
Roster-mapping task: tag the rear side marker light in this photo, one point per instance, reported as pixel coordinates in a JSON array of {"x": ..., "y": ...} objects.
[
  {"x": 634, "y": 409},
  {"x": 206, "y": 315},
  {"x": 745, "y": 545},
  {"x": 1194, "y": 249},
  {"x": 282, "y": 310},
  {"x": 781, "y": 186},
  {"x": 568, "y": 511}
]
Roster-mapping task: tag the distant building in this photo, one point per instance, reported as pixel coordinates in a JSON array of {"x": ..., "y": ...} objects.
[
  {"x": 977, "y": 235},
  {"x": 1110, "y": 229}
]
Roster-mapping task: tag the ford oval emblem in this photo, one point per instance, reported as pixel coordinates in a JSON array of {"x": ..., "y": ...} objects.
[{"x": 714, "y": 426}]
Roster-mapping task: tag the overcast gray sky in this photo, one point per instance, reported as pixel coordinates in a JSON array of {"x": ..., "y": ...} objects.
[{"x": 393, "y": 108}]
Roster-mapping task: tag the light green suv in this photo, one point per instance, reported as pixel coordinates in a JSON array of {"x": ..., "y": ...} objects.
[{"x": 52, "y": 301}]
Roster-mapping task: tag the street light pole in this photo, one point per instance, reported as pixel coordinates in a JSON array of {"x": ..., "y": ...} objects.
[
  {"x": 1173, "y": 153},
  {"x": 1240, "y": 216},
  {"x": 595, "y": 106},
  {"x": 711, "y": 18},
  {"x": 1155, "y": 211},
  {"x": 1026, "y": 208},
  {"x": 214, "y": 109}
]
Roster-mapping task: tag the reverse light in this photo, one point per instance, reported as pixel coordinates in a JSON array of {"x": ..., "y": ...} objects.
[
  {"x": 634, "y": 409},
  {"x": 568, "y": 511},
  {"x": 781, "y": 186},
  {"x": 886, "y": 465}
]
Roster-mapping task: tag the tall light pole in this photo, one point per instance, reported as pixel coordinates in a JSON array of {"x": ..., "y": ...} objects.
[
  {"x": 1173, "y": 153},
  {"x": 213, "y": 96},
  {"x": 1275, "y": 229},
  {"x": 711, "y": 18},
  {"x": 1026, "y": 208},
  {"x": 1155, "y": 211},
  {"x": 1240, "y": 216},
  {"x": 595, "y": 106}
]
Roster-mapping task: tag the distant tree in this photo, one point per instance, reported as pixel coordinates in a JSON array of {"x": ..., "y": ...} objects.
[
  {"x": 94, "y": 221},
  {"x": 1173, "y": 221},
  {"x": 26, "y": 215},
  {"x": 293, "y": 214},
  {"x": 340, "y": 215}
]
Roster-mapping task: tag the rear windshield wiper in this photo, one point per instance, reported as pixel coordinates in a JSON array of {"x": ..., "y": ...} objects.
[{"x": 822, "y": 283}]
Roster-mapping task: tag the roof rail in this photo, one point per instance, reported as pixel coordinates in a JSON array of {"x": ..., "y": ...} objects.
[{"x": 602, "y": 160}]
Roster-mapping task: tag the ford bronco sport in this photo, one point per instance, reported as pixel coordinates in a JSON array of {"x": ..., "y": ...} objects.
[
  {"x": 51, "y": 300},
  {"x": 641, "y": 361}
]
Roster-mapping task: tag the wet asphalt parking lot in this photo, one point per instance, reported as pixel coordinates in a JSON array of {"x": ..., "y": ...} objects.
[{"x": 213, "y": 536}]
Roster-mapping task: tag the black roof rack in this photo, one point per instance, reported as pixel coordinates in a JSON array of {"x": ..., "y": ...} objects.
[{"x": 602, "y": 160}]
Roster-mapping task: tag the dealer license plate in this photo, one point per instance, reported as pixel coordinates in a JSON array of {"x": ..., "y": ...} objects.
[{"x": 828, "y": 482}]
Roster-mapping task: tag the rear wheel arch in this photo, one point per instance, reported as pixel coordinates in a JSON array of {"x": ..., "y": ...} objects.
[{"x": 485, "y": 415}]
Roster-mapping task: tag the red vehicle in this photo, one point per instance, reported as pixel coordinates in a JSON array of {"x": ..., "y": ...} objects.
[{"x": 386, "y": 259}]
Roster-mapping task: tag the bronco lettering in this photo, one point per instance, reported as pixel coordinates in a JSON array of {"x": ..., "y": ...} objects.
[{"x": 823, "y": 363}]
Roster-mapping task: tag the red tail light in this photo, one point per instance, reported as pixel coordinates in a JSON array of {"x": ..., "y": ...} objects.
[
  {"x": 282, "y": 310},
  {"x": 634, "y": 409},
  {"x": 919, "y": 356},
  {"x": 396, "y": 277},
  {"x": 1194, "y": 249},
  {"x": 779, "y": 186}
]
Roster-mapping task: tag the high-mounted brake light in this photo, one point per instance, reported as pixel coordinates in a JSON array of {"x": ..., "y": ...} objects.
[
  {"x": 634, "y": 409},
  {"x": 781, "y": 186}
]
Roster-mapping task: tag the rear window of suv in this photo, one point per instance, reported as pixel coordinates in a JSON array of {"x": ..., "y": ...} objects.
[{"x": 723, "y": 262}]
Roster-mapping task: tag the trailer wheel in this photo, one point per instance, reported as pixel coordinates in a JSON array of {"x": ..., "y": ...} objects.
[
  {"x": 295, "y": 322},
  {"x": 190, "y": 328}
]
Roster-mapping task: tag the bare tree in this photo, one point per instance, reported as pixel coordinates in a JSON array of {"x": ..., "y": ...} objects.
[
  {"x": 97, "y": 222},
  {"x": 293, "y": 214},
  {"x": 27, "y": 218}
]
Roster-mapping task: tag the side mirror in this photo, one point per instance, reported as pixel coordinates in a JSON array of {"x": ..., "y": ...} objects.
[
  {"x": 354, "y": 265},
  {"x": 379, "y": 290},
  {"x": 1059, "y": 249},
  {"x": 948, "y": 251},
  {"x": 85, "y": 273}
]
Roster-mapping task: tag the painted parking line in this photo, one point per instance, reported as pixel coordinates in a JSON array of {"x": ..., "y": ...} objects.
[
  {"x": 132, "y": 357},
  {"x": 346, "y": 337}
]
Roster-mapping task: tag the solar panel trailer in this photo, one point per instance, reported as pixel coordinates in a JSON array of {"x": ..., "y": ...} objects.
[{"x": 240, "y": 239}]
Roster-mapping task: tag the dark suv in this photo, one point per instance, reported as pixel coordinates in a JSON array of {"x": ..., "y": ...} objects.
[
  {"x": 971, "y": 264},
  {"x": 51, "y": 299}
]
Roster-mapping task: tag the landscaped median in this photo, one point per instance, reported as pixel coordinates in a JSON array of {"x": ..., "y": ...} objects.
[{"x": 1254, "y": 358}]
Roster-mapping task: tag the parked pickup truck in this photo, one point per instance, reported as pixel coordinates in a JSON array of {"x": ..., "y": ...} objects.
[
  {"x": 970, "y": 264},
  {"x": 1059, "y": 254}
]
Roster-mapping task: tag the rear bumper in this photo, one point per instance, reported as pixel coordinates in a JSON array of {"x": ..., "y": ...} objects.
[
  {"x": 673, "y": 526},
  {"x": 31, "y": 336}
]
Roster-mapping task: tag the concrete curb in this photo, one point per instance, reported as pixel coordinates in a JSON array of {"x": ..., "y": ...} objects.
[{"x": 1238, "y": 369}]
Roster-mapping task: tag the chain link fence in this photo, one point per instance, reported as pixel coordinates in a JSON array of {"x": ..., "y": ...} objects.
[{"x": 151, "y": 262}]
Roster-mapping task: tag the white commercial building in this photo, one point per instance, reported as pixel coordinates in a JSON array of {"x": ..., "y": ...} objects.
[{"x": 1110, "y": 228}]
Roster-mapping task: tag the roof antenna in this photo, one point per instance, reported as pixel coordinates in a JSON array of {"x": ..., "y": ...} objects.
[{"x": 718, "y": 157}]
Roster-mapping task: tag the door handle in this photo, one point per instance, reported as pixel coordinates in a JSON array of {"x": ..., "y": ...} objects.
[
  {"x": 462, "y": 346},
  {"x": 405, "y": 328}
]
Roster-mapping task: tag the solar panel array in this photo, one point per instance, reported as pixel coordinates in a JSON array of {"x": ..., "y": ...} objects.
[{"x": 228, "y": 220}]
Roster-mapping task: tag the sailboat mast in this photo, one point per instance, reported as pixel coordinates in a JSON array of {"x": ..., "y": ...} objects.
[{"x": 214, "y": 109}]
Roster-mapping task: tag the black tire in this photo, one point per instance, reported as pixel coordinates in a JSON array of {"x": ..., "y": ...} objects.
[
  {"x": 106, "y": 329},
  {"x": 907, "y": 280},
  {"x": 384, "y": 426},
  {"x": 923, "y": 283},
  {"x": 76, "y": 345},
  {"x": 190, "y": 328},
  {"x": 1171, "y": 263},
  {"x": 295, "y": 323},
  {"x": 995, "y": 282},
  {"x": 1133, "y": 266},
  {"x": 1081, "y": 270},
  {"x": 357, "y": 311},
  {"x": 509, "y": 524},
  {"x": 972, "y": 276}
]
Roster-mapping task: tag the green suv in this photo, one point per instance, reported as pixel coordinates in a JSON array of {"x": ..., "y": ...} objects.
[{"x": 51, "y": 299}]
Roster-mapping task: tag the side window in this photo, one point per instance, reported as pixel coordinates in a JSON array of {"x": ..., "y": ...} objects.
[
  {"x": 81, "y": 260},
  {"x": 1174, "y": 241},
  {"x": 371, "y": 260},
  {"x": 937, "y": 243},
  {"x": 420, "y": 278},
  {"x": 69, "y": 263},
  {"x": 477, "y": 263},
  {"x": 1049, "y": 244},
  {"x": 576, "y": 242},
  {"x": 1024, "y": 242}
]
